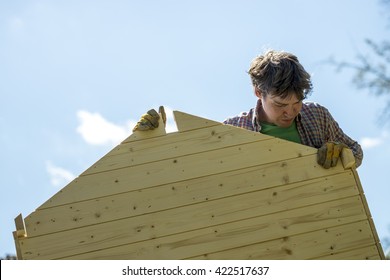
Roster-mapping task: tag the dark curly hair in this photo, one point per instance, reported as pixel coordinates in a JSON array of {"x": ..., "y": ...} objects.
[{"x": 280, "y": 73}]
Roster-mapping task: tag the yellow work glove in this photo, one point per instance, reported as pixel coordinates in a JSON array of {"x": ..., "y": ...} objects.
[
  {"x": 150, "y": 120},
  {"x": 329, "y": 154}
]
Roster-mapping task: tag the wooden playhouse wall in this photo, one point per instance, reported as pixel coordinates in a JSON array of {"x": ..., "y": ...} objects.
[{"x": 208, "y": 191}]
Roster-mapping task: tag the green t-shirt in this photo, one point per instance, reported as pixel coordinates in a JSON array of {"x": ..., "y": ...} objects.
[{"x": 288, "y": 133}]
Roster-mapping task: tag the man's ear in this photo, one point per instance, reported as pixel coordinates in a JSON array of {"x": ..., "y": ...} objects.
[{"x": 257, "y": 92}]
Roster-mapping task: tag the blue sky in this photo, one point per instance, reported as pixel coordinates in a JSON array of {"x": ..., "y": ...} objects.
[{"x": 76, "y": 75}]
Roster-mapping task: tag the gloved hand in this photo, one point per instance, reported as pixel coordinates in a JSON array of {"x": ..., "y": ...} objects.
[
  {"x": 329, "y": 154},
  {"x": 150, "y": 120}
]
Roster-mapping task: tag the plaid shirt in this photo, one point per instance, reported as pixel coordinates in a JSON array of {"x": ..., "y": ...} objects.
[{"x": 315, "y": 125}]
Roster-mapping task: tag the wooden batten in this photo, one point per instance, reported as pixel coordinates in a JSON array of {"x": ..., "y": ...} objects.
[
  {"x": 20, "y": 228},
  {"x": 18, "y": 250},
  {"x": 348, "y": 159},
  {"x": 186, "y": 122},
  {"x": 19, "y": 234},
  {"x": 368, "y": 213},
  {"x": 207, "y": 191}
]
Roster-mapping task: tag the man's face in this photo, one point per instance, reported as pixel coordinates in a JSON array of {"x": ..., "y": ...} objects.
[{"x": 278, "y": 111}]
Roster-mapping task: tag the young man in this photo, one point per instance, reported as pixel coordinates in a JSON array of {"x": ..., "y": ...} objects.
[{"x": 281, "y": 84}]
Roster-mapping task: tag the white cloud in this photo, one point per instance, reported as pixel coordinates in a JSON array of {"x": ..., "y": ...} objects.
[
  {"x": 59, "y": 176},
  {"x": 368, "y": 142},
  {"x": 96, "y": 130},
  {"x": 371, "y": 142}
]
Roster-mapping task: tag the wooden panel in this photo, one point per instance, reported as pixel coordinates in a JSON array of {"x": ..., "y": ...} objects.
[
  {"x": 178, "y": 169},
  {"x": 207, "y": 191},
  {"x": 209, "y": 230},
  {"x": 185, "y": 193},
  {"x": 326, "y": 243}
]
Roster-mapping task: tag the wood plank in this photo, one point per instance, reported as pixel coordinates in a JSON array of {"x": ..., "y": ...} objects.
[
  {"x": 179, "y": 169},
  {"x": 365, "y": 253},
  {"x": 325, "y": 243},
  {"x": 173, "y": 145},
  {"x": 20, "y": 227},
  {"x": 185, "y": 122},
  {"x": 270, "y": 195},
  {"x": 174, "y": 237},
  {"x": 348, "y": 159}
]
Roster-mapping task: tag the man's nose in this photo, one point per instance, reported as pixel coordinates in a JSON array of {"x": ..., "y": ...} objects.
[{"x": 290, "y": 111}]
